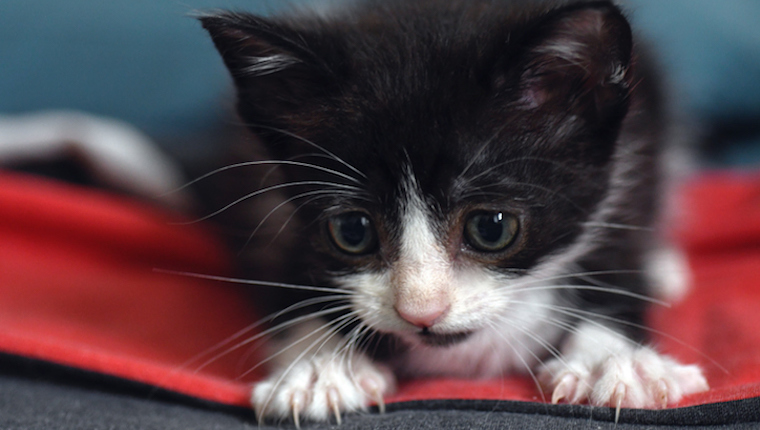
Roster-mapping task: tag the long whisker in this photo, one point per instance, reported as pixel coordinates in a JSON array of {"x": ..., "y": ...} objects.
[
  {"x": 242, "y": 332},
  {"x": 538, "y": 284},
  {"x": 618, "y": 226},
  {"x": 333, "y": 327},
  {"x": 518, "y": 159},
  {"x": 519, "y": 356},
  {"x": 309, "y": 142},
  {"x": 271, "y": 170},
  {"x": 595, "y": 288},
  {"x": 482, "y": 148},
  {"x": 322, "y": 193},
  {"x": 266, "y": 190},
  {"x": 271, "y": 330},
  {"x": 263, "y": 163},
  {"x": 577, "y": 313},
  {"x": 254, "y": 282},
  {"x": 553, "y": 350},
  {"x": 549, "y": 191}
]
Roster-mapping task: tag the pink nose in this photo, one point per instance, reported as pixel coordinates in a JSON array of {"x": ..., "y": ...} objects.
[{"x": 423, "y": 317}]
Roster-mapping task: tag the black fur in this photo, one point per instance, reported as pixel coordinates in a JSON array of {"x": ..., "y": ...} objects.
[{"x": 479, "y": 99}]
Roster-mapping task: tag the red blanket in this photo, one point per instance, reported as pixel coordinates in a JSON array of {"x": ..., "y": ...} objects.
[{"x": 78, "y": 286}]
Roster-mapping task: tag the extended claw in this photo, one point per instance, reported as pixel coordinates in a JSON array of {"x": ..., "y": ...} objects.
[
  {"x": 617, "y": 399},
  {"x": 333, "y": 400},
  {"x": 371, "y": 388},
  {"x": 564, "y": 388},
  {"x": 378, "y": 397},
  {"x": 297, "y": 402}
]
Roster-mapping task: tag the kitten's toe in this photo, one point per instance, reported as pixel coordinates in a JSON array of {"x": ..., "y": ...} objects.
[
  {"x": 321, "y": 388},
  {"x": 645, "y": 379},
  {"x": 634, "y": 378},
  {"x": 567, "y": 382}
]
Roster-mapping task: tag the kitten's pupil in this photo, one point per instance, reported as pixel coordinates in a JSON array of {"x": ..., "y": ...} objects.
[
  {"x": 352, "y": 232},
  {"x": 490, "y": 228},
  {"x": 490, "y": 231}
]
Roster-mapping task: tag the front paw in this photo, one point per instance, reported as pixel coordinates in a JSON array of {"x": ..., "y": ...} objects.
[
  {"x": 636, "y": 377},
  {"x": 314, "y": 389}
]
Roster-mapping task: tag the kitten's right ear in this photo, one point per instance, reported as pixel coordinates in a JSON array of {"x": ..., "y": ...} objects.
[
  {"x": 273, "y": 66},
  {"x": 579, "y": 58}
]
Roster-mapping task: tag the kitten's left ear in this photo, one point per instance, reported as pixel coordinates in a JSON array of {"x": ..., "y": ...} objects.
[
  {"x": 579, "y": 58},
  {"x": 275, "y": 67}
]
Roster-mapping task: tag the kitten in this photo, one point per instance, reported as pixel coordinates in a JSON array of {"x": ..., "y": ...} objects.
[{"x": 475, "y": 183}]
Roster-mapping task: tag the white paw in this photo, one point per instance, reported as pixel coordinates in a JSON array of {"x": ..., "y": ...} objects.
[
  {"x": 314, "y": 389},
  {"x": 629, "y": 378}
]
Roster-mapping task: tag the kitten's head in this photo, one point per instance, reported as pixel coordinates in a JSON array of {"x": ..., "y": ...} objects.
[{"x": 444, "y": 153}]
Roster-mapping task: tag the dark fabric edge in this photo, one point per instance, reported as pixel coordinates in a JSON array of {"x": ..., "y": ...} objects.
[
  {"x": 35, "y": 369},
  {"x": 711, "y": 414}
]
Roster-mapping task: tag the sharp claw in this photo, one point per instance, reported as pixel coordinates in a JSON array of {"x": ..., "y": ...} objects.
[
  {"x": 371, "y": 388},
  {"x": 379, "y": 400},
  {"x": 662, "y": 393},
  {"x": 333, "y": 400},
  {"x": 297, "y": 402},
  {"x": 563, "y": 389},
  {"x": 617, "y": 399}
]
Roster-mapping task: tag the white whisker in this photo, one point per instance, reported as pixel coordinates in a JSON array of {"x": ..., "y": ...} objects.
[
  {"x": 321, "y": 193},
  {"x": 332, "y": 329},
  {"x": 271, "y": 330},
  {"x": 266, "y": 190},
  {"x": 260, "y": 322},
  {"x": 615, "y": 291},
  {"x": 262, "y": 163},
  {"x": 618, "y": 226},
  {"x": 480, "y": 151},
  {"x": 578, "y": 313},
  {"x": 308, "y": 142},
  {"x": 520, "y": 357},
  {"x": 254, "y": 282}
]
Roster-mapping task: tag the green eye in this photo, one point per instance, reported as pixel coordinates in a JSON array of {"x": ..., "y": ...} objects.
[
  {"x": 490, "y": 231},
  {"x": 352, "y": 233}
]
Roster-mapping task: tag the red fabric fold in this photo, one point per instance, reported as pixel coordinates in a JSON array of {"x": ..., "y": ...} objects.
[{"x": 79, "y": 287}]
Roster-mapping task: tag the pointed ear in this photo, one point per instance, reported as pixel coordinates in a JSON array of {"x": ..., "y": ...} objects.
[
  {"x": 273, "y": 66},
  {"x": 579, "y": 58}
]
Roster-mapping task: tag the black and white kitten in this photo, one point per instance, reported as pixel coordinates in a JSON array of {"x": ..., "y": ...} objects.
[{"x": 476, "y": 180}]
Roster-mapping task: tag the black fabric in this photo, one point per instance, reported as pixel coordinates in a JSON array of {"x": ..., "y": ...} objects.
[{"x": 35, "y": 395}]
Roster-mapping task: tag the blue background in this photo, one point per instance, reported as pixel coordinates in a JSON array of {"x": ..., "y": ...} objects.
[{"x": 150, "y": 63}]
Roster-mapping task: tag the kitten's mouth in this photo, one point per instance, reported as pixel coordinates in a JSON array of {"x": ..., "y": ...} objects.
[{"x": 442, "y": 339}]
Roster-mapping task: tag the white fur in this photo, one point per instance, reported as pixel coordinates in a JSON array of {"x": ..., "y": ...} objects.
[
  {"x": 315, "y": 376},
  {"x": 422, "y": 278},
  {"x": 607, "y": 369},
  {"x": 260, "y": 66},
  {"x": 478, "y": 300},
  {"x": 668, "y": 273},
  {"x": 514, "y": 320}
]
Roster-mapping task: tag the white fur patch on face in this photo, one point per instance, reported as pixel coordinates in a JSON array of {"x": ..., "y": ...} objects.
[
  {"x": 421, "y": 278},
  {"x": 510, "y": 322}
]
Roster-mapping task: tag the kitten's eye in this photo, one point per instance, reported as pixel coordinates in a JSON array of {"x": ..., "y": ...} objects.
[
  {"x": 490, "y": 231},
  {"x": 353, "y": 233}
]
